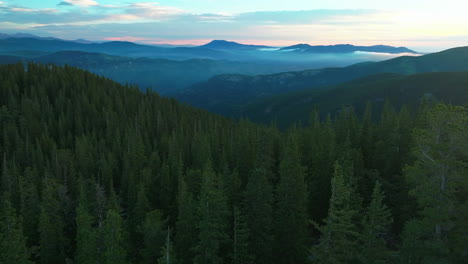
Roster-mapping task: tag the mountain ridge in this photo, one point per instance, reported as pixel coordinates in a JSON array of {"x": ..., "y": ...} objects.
[
  {"x": 241, "y": 89},
  {"x": 347, "y": 48}
]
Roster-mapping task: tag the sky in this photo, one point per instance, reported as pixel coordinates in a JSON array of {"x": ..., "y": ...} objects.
[{"x": 423, "y": 25}]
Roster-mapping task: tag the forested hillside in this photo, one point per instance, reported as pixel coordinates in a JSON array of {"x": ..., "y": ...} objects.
[
  {"x": 161, "y": 75},
  {"x": 94, "y": 172},
  {"x": 399, "y": 90}
]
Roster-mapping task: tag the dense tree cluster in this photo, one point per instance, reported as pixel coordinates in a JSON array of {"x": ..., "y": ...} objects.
[{"x": 94, "y": 172}]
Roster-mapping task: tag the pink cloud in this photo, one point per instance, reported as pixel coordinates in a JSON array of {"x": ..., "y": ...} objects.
[{"x": 120, "y": 17}]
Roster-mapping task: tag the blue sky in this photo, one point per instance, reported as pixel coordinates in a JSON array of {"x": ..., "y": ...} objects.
[{"x": 424, "y": 25}]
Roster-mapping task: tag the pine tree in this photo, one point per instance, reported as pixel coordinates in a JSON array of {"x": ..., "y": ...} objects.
[
  {"x": 241, "y": 249},
  {"x": 135, "y": 220},
  {"x": 30, "y": 205},
  {"x": 86, "y": 234},
  {"x": 114, "y": 247},
  {"x": 154, "y": 234},
  {"x": 51, "y": 225},
  {"x": 13, "y": 248},
  {"x": 186, "y": 233},
  {"x": 86, "y": 237},
  {"x": 437, "y": 178},
  {"x": 375, "y": 230},
  {"x": 258, "y": 202},
  {"x": 291, "y": 208},
  {"x": 212, "y": 223},
  {"x": 339, "y": 235}
]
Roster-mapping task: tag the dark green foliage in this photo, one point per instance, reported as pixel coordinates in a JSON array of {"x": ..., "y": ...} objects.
[
  {"x": 87, "y": 248},
  {"x": 241, "y": 236},
  {"x": 400, "y": 90},
  {"x": 375, "y": 230},
  {"x": 93, "y": 172},
  {"x": 438, "y": 183},
  {"x": 186, "y": 233},
  {"x": 291, "y": 207},
  {"x": 258, "y": 202},
  {"x": 339, "y": 233},
  {"x": 113, "y": 239},
  {"x": 167, "y": 251},
  {"x": 153, "y": 232},
  {"x": 213, "y": 222},
  {"x": 13, "y": 248},
  {"x": 51, "y": 225}
]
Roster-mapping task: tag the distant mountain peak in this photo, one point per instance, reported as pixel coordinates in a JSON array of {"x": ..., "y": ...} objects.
[{"x": 225, "y": 44}]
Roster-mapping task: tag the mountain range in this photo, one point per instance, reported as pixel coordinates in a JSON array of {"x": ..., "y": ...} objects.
[
  {"x": 227, "y": 94},
  {"x": 164, "y": 69},
  {"x": 217, "y": 49},
  {"x": 237, "y": 80}
]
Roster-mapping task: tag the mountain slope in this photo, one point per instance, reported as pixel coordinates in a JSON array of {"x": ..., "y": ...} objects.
[
  {"x": 162, "y": 75},
  {"x": 399, "y": 90},
  {"x": 225, "y": 94}
]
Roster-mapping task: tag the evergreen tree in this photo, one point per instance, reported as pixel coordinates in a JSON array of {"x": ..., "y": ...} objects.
[
  {"x": 186, "y": 233},
  {"x": 375, "y": 230},
  {"x": 212, "y": 223},
  {"x": 258, "y": 202},
  {"x": 51, "y": 225},
  {"x": 136, "y": 220},
  {"x": 30, "y": 205},
  {"x": 291, "y": 207},
  {"x": 86, "y": 234},
  {"x": 86, "y": 237},
  {"x": 154, "y": 235},
  {"x": 114, "y": 247},
  {"x": 437, "y": 178},
  {"x": 338, "y": 241},
  {"x": 241, "y": 236},
  {"x": 13, "y": 248}
]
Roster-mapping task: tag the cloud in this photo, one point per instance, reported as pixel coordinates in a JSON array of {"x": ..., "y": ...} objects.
[
  {"x": 152, "y": 10},
  {"x": 64, "y": 4},
  {"x": 79, "y": 2},
  {"x": 145, "y": 20}
]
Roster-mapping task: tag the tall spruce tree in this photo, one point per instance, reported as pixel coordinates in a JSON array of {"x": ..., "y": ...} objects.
[
  {"x": 186, "y": 232},
  {"x": 241, "y": 253},
  {"x": 13, "y": 248},
  {"x": 375, "y": 230},
  {"x": 86, "y": 235},
  {"x": 51, "y": 226},
  {"x": 437, "y": 179},
  {"x": 338, "y": 234},
  {"x": 153, "y": 231},
  {"x": 213, "y": 220},
  {"x": 115, "y": 250},
  {"x": 291, "y": 207},
  {"x": 258, "y": 202}
]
